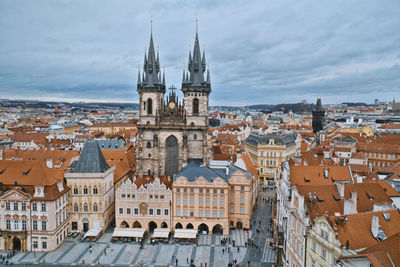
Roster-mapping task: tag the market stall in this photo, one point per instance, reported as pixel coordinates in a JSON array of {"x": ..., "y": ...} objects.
[
  {"x": 160, "y": 235},
  {"x": 185, "y": 235},
  {"x": 128, "y": 234}
]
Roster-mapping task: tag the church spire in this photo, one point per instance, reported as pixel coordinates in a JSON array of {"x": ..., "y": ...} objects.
[
  {"x": 138, "y": 76},
  {"x": 196, "y": 62},
  {"x": 152, "y": 77}
]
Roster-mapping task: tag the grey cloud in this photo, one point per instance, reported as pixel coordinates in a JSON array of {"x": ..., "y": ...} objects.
[{"x": 258, "y": 51}]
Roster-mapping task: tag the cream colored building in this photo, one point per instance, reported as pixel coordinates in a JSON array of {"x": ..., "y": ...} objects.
[
  {"x": 91, "y": 181},
  {"x": 143, "y": 203},
  {"x": 323, "y": 248},
  {"x": 34, "y": 215},
  {"x": 269, "y": 151},
  {"x": 213, "y": 199}
]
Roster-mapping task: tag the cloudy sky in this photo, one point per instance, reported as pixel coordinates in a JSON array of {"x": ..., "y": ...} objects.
[{"x": 262, "y": 51}]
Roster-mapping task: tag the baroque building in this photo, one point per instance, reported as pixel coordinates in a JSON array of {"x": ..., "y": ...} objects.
[{"x": 172, "y": 133}]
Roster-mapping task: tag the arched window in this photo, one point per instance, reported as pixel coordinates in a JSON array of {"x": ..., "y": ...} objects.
[
  {"x": 85, "y": 190},
  {"x": 195, "y": 136},
  {"x": 76, "y": 208},
  {"x": 147, "y": 123},
  {"x": 75, "y": 190},
  {"x": 195, "y": 106},
  {"x": 95, "y": 207},
  {"x": 85, "y": 208},
  {"x": 149, "y": 106},
  {"x": 144, "y": 105},
  {"x": 148, "y": 172},
  {"x": 148, "y": 145},
  {"x": 95, "y": 191}
]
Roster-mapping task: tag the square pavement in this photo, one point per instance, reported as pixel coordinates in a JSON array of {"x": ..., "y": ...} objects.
[{"x": 209, "y": 250}]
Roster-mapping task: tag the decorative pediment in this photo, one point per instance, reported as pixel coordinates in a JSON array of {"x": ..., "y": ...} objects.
[{"x": 14, "y": 194}]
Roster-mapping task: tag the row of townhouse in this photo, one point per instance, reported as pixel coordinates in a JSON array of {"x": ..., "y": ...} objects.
[{"x": 319, "y": 209}]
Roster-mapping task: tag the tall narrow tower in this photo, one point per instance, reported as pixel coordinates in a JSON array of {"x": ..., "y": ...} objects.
[
  {"x": 196, "y": 88},
  {"x": 318, "y": 115},
  {"x": 150, "y": 86}
]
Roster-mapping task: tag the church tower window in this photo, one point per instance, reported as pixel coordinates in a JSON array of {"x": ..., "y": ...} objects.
[
  {"x": 195, "y": 106},
  {"x": 148, "y": 144},
  {"x": 149, "y": 106}
]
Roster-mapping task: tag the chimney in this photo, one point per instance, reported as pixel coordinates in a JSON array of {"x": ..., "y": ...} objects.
[
  {"x": 227, "y": 170},
  {"x": 375, "y": 226},
  {"x": 326, "y": 172},
  {"x": 49, "y": 163}
]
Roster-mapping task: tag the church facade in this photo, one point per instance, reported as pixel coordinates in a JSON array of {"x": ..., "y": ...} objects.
[{"x": 172, "y": 133}]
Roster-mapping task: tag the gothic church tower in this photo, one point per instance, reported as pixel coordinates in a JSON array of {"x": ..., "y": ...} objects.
[{"x": 172, "y": 133}]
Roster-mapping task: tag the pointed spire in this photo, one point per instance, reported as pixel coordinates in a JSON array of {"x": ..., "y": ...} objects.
[
  {"x": 208, "y": 76},
  {"x": 138, "y": 76},
  {"x": 183, "y": 76},
  {"x": 203, "y": 60},
  {"x": 163, "y": 78}
]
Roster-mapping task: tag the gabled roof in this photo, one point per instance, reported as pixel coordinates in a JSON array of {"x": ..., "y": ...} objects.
[
  {"x": 390, "y": 245},
  {"x": 91, "y": 159},
  {"x": 314, "y": 175},
  {"x": 356, "y": 228}
]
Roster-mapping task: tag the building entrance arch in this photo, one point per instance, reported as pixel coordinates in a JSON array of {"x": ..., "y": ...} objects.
[
  {"x": 218, "y": 229},
  {"x": 16, "y": 244},
  {"x": 152, "y": 226},
  {"x": 203, "y": 228},
  {"x": 239, "y": 225},
  {"x": 178, "y": 226}
]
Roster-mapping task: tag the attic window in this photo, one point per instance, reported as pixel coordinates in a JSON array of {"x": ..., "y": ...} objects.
[
  {"x": 1, "y": 172},
  {"x": 386, "y": 216},
  {"x": 369, "y": 196},
  {"x": 307, "y": 180},
  {"x": 26, "y": 173}
]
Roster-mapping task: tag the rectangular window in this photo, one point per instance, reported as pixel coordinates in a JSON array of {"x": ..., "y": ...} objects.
[
  {"x": 232, "y": 209},
  {"x": 166, "y": 212},
  {"x": 7, "y": 205},
  {"x": 185, "y": 201},
  {"x": 23, "y": 206},
  {"x": 221, "y": 201},
  {"x": 207, "y": 213},
  {"x": 8, "y": 224},
  {"x": 191, "y": 213},
  {"x": 34, "y": 206},
  {"x": 44, "y": 245},
  {"x": 15, "y": 206},
  {"x": 191, "y": 190},
  {"x": 201, "y": 191},
  {"x": 323, "y": 254},
  {"x": 136, "y": 211},
  {"x": 242, "y": 188},
  {"x": 178, "y": 200},
  {"x": 43, "y": 206},
  {"x": 215, "y": 201},
  {"x": 74, "y": 226},
  {"x": 241, "y": 210},
  {"x": 215, "y": 191},
  {"x": 232, "y": 187},
  {"x": 121, "y": 210},
  {"x": 185, "y": 190},
  {"x": 221, "y": 214},
  {"x": 192, "y": 201},
  {"x": 151, "y": 212},
  {"x": 128, "y": 211},
  {"x": 207, "y": 201},
  {"x": 158, "y": 212},
  {"x": 178, "y": 190},
  {"x": 201, "y": 201},
  {"x": 185, "y": 212},
  {"x": 215, "y": 213},
  {"x": 16, "y": 225},
  {"x": 35, "y": 244},
  {"x": 44, "y": 225},
  {"x": 23, "y": 225},
  {"x": 200, "y": 213},
  {"x": 222, "y": 191},
  {"x": 178, "y": 212},
  {"x": 207, "y": 191},
  {"x": 232, "y": 197},
  {"x": 242, "y": 198},
  {"x": 314, "y": 246}
]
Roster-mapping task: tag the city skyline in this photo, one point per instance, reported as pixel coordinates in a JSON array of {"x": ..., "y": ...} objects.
[{"x": 258, "y": 53}]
